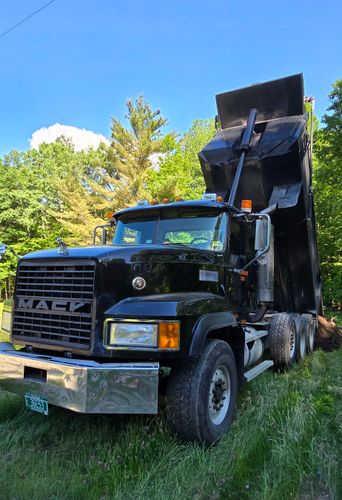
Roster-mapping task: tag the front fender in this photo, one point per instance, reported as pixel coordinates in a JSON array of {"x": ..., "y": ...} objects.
[
  {"x": 205, "y": 325},
  {"x": 225, "y": 327}
]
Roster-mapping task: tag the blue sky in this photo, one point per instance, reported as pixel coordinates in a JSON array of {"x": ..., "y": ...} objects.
[{"x": 77, "y": 61}]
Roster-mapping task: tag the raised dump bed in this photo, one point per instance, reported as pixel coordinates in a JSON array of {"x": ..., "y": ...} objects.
[{"x": 277, "y": 171}]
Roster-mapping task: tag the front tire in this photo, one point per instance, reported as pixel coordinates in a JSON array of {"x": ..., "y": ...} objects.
[{"x": 201, "y": 395}]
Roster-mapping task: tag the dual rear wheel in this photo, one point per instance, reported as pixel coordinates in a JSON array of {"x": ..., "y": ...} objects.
[{"x": 291, "y": 338}]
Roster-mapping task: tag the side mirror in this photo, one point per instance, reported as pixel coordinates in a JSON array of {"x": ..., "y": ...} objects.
[
  {"x": 261, "y": 236},
  {"x": 104, "y": 232}
]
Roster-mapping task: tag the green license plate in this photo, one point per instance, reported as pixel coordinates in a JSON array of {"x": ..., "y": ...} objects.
[{"x": 36, "y": 403}]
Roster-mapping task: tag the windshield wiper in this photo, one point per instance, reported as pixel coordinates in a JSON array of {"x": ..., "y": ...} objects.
[{"x": 176, "y": 244}]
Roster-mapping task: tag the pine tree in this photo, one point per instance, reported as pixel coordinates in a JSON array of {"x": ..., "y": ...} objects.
[
  {"x": 83, "y": 195},
  {"x": 133, "y": 150},
  {"x": 180, "y": 173},
  {"x": 111, "y": 178}
]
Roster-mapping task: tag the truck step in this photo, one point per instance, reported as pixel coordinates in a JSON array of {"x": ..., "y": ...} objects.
[
  {"x": 254, "y": 372},
  {"x": 249, "y": 337}
]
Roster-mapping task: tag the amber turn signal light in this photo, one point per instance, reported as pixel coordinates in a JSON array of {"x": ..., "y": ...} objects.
[
  {"x": 168, "y": 336},
  {"x": 246, "y": 206},
  {"x": 243, "y": 275}
]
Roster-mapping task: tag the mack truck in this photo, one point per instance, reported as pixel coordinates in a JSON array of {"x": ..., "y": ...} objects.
[{"x": 189, "y": 300}]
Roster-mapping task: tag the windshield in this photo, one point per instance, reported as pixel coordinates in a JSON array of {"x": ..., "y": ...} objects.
[{"x": 206, "y": 231}]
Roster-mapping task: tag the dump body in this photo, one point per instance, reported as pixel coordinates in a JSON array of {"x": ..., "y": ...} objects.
[{"x": 277, "y": 171}]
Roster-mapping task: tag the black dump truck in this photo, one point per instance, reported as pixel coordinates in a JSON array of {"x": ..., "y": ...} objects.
[{"x": 190, "y": 299}]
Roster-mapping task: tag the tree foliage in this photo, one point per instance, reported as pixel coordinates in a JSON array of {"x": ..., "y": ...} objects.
[
  {"x": 80, "y": 205},
  {"x": 328, "y": 196},
  {"x": 133, "y": 150},
  {"x": 179, "y": 174}
]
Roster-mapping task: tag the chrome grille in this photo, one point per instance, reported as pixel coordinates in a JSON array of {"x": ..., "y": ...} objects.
[{"x": 54, "y": 303}]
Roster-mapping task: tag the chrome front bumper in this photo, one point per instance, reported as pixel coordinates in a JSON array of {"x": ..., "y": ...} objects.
[{"x": 81, "y": 385}]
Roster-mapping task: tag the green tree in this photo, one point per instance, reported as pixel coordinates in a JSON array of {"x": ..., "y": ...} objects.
[
  {"x": 114, "y": 177},
  {"x": 25, "y": 199},
  {"x": 46, "y": 193},
  {"x": 328, "y": 196},
  {"x": 83, "y": 194},
  {"x": 132, "y": 152},
  {"x": 179, "y": 173}
]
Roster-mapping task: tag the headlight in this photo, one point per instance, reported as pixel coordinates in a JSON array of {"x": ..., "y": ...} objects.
[
  {"x": 133, "y": 334},
  {"x": 161, "y": 335}
]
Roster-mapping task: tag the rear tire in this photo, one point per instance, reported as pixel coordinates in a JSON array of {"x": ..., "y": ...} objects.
[
  {"x": 283, "y": 340},
  {"x": 300, "y": 339},
  {"x": 201, "y": 395},
  {"x": 310, "y": 331}
]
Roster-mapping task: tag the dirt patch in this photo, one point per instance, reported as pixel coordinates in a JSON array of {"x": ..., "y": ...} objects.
[{"x": 329, "y": 335}]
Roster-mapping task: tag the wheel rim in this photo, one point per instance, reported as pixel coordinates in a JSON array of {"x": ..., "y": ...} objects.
[
  {"x": 219, "y": 395},
  {"x": 292, "y": 342}
]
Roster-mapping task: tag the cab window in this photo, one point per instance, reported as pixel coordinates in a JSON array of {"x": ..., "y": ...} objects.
[{"x": 198, "y": 230}]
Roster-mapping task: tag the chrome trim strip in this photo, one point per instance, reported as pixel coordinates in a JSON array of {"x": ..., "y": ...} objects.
[{"x": 83, "y": 386}]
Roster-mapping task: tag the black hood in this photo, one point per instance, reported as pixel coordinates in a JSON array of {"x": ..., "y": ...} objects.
[{"x": 129, "y": 254}]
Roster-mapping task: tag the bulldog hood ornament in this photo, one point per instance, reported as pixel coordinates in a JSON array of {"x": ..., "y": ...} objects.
[{"x": 62, "y": 248}]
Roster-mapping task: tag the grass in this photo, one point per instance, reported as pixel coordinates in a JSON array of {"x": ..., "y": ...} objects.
[{"x": 286, "y": 442}]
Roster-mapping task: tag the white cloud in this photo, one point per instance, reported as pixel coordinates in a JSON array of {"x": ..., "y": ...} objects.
[{"x": 81, "y": 138}]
